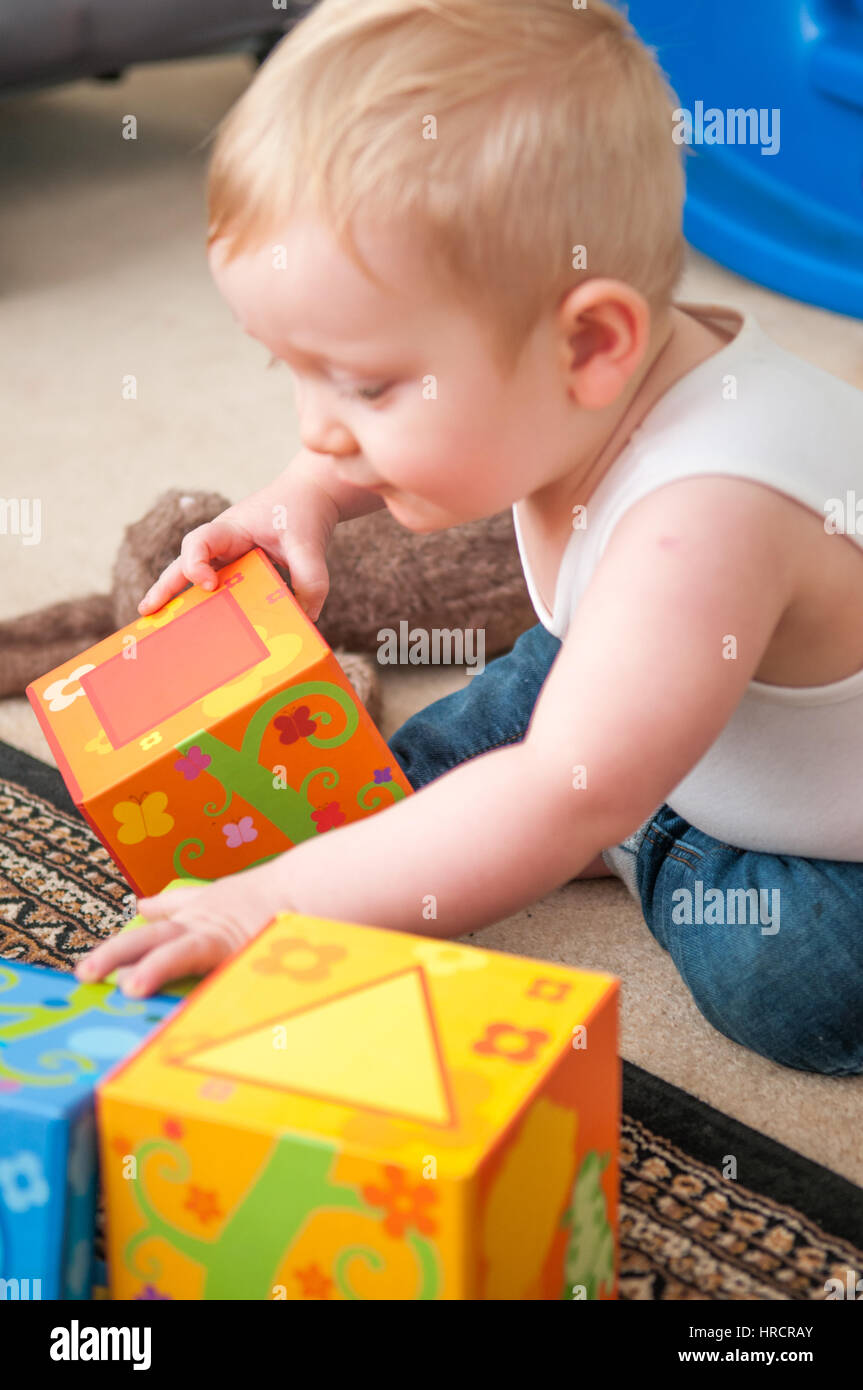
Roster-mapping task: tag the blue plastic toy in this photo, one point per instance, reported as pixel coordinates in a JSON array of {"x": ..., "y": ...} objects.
[
  {"x": 791, "y": 219},
  {"x": 58, "y": 1038}
]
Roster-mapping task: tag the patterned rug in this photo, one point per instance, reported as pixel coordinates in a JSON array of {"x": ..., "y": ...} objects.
[{"x": 687, "y": 1233}]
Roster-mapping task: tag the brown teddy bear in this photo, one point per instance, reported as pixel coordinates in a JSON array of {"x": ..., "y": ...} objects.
[{"x": 380, "y": 575}]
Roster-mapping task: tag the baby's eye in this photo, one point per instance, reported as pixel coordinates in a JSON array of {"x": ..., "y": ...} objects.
[{"x": 370, "y": 393}]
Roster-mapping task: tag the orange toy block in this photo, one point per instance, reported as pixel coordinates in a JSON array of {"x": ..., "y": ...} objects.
[
  {"x": 216, "y": 733},
  {"x": 341, "y": 1112}
]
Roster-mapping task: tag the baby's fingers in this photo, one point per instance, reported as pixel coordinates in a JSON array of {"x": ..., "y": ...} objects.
[
  {"x": 221, "y": 540},
  {"x": 163, "y": 904},
  {"x": 190, "y": 954},
  {"x": 169, "y": 583},
  {"x": 123, "y": 949},
  {"x": 216, "y": 540},
  {"x": 310, "y": 580}
]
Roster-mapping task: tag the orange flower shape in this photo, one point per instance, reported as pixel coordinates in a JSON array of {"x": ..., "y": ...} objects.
[
  {"x": 514, "y": 1044},
  {"x": 552, "y": 991},
  {"x": 314, "y": 964},
  {"x": 205, "y": 1205},
  {"x": 314, "y": 1283},
  {"x": 404, "y": 1205}
]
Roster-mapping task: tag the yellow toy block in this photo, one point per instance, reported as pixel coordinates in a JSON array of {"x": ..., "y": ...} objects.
[
  {"x": 341, "y": 1112},
  {"x": 215, "y": 733}
]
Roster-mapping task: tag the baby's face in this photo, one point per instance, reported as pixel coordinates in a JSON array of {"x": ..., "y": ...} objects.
[{"x": 398, "y": 386}]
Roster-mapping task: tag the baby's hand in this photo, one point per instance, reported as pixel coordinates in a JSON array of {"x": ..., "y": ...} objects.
[
  {"x": 292, "y": 520},
  {"x": 222, "y": 539},
  {"x": 189, "y": 931}
]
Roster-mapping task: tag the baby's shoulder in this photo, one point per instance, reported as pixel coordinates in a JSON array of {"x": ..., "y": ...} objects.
[{"x": 722, "y": 500}]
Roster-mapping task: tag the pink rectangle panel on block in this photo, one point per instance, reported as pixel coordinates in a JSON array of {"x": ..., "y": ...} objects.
[{"x": 173, "y": 667}]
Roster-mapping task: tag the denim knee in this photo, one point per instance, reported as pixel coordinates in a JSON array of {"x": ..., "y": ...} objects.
[
  {"x": 829, "y": 1044},
  {"x": 426, "y": 746},
  {"x": 493, "y": 710},
  {"x": 786, "y": 983}
]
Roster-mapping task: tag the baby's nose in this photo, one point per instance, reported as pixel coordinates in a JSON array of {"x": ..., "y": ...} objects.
[
  {"x": 327, "y": 437},
  {"x": 320, "y": 428}
]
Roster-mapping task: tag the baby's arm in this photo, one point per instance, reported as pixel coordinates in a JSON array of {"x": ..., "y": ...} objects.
[{"x": 638, "y": 692}]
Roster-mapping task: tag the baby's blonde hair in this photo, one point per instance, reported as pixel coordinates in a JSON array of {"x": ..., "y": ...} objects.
[{"x": 499, "y": 135}]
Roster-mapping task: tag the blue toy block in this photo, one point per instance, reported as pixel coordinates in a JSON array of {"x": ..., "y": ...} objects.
[{"x": 58, "y": 1038}]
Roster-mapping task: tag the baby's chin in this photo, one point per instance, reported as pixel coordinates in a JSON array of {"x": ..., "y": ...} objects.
[{"x": 416, "y": 514}]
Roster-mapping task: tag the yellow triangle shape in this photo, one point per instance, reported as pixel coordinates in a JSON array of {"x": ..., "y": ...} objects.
[{"x": 375, "y": 1047}]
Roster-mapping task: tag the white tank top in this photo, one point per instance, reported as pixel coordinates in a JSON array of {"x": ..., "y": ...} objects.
[{"x": 785, "y": 775}]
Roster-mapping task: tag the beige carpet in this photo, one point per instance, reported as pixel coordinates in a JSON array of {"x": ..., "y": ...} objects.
[{"x": 103, "y": 275}]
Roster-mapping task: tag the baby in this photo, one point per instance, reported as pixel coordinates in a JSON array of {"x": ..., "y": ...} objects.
[{"x": 458, "y": 222}]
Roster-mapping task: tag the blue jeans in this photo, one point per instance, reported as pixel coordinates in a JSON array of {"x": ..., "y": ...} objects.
[{"x": 770, "y": 946}]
